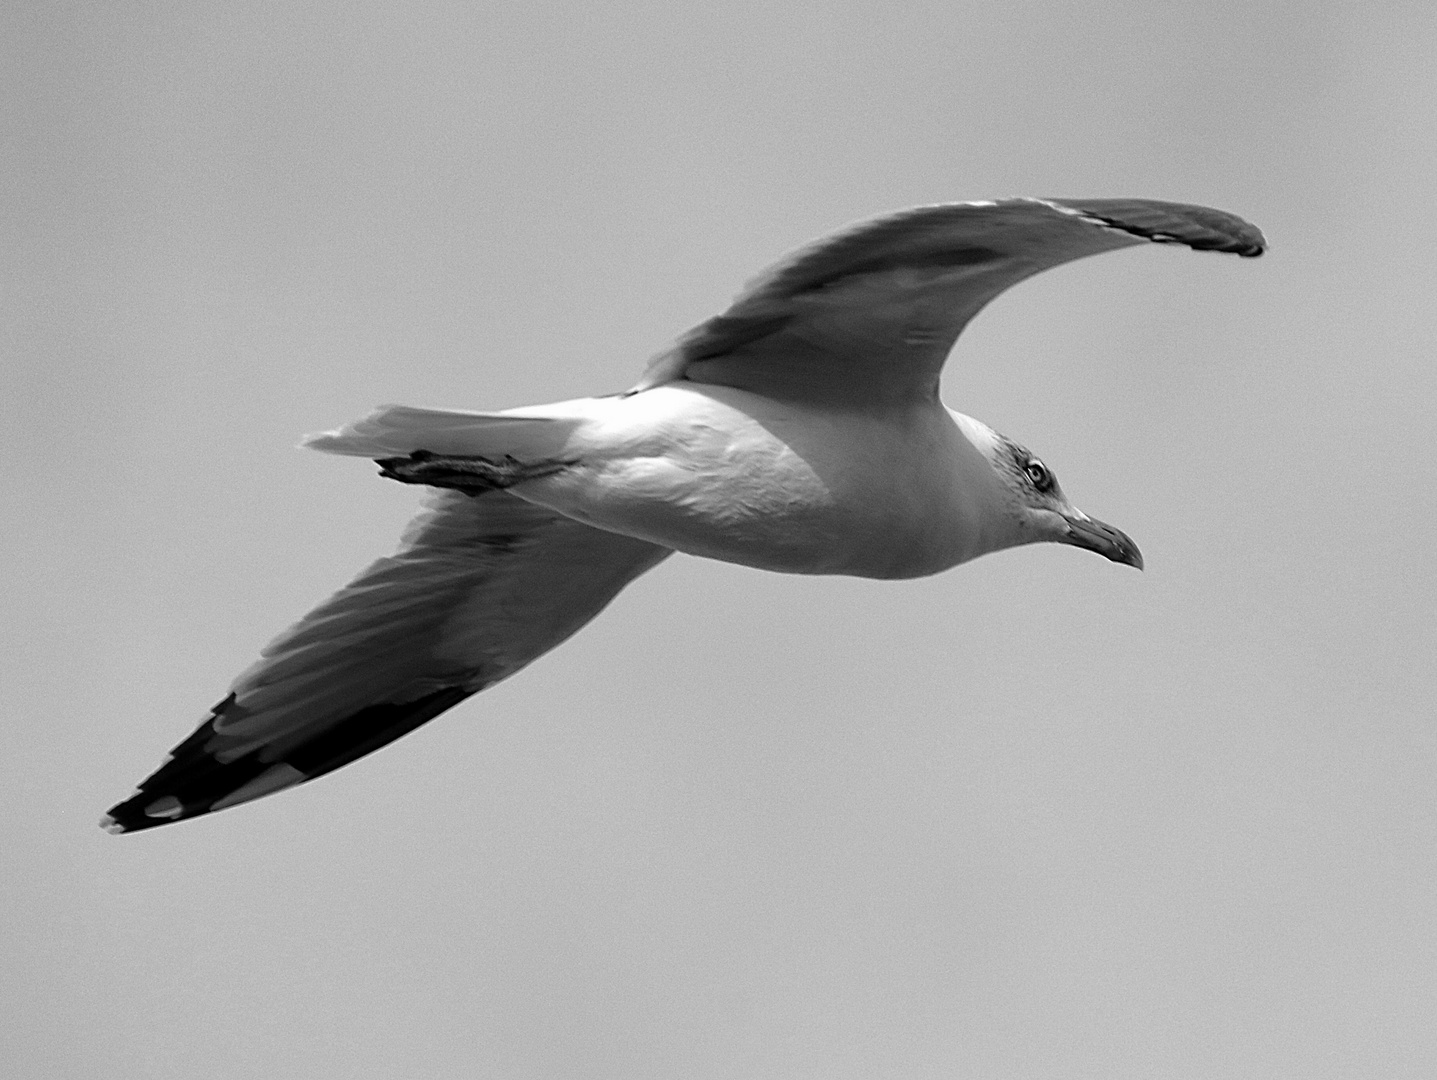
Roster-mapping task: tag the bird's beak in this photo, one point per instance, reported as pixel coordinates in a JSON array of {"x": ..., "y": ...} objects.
[{"x": 1111, "y": 543}]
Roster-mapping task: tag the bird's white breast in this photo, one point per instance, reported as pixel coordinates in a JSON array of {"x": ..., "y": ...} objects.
[{"x": 725, "y": 474}]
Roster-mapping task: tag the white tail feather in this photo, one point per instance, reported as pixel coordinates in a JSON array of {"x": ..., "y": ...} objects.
[{"x": 398, "y": 430}]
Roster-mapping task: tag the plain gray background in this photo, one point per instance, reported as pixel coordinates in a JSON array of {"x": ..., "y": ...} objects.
[{"x": 1039, "y": 817}]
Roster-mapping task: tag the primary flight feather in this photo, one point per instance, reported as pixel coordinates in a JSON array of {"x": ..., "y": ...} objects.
[{"x": 799, "y": 431}]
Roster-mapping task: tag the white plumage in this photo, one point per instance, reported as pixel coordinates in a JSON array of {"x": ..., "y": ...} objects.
[{"x": 800, "y": 431}]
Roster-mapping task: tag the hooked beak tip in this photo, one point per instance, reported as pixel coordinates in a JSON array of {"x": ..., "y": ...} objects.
[{"x": 1111, "y": 543}]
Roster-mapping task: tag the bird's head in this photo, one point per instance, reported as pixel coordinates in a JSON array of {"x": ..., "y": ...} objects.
[{"x": 1037, "y": 509}]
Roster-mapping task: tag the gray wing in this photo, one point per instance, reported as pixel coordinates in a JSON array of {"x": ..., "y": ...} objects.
[
  {"x": 479, "y": 588},
  {"x": 871, "y": 312}
]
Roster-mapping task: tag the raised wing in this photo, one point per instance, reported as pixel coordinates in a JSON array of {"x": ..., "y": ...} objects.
[
  {"x": 480, "y": 586},
  {"x": 870, "y": 313}
]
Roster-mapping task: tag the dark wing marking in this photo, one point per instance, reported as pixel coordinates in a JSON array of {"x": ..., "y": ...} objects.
[
  {"x": 870, "y": 313},
  {"x": 479, "y": 588},
  {"x": 1199, "y": 227}
]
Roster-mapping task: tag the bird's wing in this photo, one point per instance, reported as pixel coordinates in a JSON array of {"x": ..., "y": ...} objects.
[
  {"x": 480, "y": 586},
  {"x": 870, "y": 312}
]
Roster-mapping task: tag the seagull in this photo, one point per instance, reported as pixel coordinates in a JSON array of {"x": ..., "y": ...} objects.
[{"x": 800, "y": 431}]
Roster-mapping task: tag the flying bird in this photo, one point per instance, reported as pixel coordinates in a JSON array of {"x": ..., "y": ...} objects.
[{"x": 800, "y": 431}]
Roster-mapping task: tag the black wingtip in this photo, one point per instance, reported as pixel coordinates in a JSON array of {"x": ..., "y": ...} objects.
[
  {"x": 160, "y": 798},
  {"x": 1199, "y": 227},
  {"x": 144, "y": 810},
  {"x": 194, "y": 781},
  {"x": 125, "y": 818}
]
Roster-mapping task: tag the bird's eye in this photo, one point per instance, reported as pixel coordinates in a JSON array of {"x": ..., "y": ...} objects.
[{"x": 1038, "y": 474}]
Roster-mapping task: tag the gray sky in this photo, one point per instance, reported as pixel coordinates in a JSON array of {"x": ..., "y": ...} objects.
[{"x": 1038, "y": 817}]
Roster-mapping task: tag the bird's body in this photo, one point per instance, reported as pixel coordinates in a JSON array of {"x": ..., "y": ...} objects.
[
  {"x": 800, "y": 431},
  {"x": 722, "y": 473}
]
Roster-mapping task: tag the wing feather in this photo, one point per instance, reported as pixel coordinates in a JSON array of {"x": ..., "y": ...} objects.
[
  {"x": 479, "y": 588},
  {"x": 869, "y": 314}
]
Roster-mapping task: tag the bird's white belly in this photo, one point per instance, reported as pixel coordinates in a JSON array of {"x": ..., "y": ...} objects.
[{"x": 728, "y": 476}]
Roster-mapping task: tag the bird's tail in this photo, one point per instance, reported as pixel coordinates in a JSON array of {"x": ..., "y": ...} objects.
[{"x": 399, "y": 430}]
